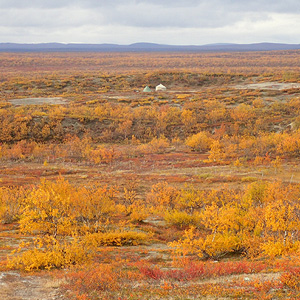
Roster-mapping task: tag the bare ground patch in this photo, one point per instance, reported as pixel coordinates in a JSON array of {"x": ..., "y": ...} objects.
[
  {"x": 14, "y": 286},
  {"x": 38, "y": 101},
  {"x": 276, "y": 86}
]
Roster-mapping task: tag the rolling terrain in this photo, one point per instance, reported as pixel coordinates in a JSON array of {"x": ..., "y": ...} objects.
[{"x": 107, "y": 192}]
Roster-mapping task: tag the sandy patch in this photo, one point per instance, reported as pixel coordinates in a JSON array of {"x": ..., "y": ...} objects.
[
  {"x": 13, "y": 286},
  {"x": 38, "y": 101},
  {"x": 276, "y": 86}
]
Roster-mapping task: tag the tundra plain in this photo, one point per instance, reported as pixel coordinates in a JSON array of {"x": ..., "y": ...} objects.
[{"x": 107, "y": 192}]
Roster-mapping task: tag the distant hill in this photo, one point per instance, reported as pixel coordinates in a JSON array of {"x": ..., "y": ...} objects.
[{"x": 143, "y": 47}]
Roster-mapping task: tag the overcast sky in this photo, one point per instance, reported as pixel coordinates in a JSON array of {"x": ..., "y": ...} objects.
[{"x": 180, "y": 22}]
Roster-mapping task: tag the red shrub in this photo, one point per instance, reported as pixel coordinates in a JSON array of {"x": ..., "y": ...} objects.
[
  {"x": 154, "y": 273},
  {"x": 203, "y": 270}
]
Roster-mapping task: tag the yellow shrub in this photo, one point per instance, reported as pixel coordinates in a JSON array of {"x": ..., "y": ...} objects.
[
  {"x": 181, "y": 218},
  {"x": 138, "y": 212},
  {"x": 214, "y": 245},
  {"x": 189, "y": 244},
  {"x": 219, "y": 244},
  {"x": 278, "y": 248},
  {"x": 11, "y": 203},
  {"x": 163, "y": 196},
  {"x": 57, "y": 255},
  {"x": 199, "y": 142},
  {"x": 155, "y": 145},
  {"x": 183, "y": 96}
]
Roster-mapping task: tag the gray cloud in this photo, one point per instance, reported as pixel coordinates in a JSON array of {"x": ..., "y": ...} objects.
[
  {"x": 235, "y": 5},
  {"x": 179, "y": 21}
]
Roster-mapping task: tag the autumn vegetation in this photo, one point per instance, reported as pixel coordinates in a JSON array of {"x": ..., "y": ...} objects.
[{"x": 123, "y": 192}]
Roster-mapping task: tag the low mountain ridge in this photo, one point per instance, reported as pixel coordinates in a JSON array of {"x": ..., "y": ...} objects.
[{"x": 144, "y": 47}]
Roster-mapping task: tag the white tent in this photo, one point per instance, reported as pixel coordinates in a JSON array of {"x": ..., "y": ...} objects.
[{"x": 160, "y": 87}]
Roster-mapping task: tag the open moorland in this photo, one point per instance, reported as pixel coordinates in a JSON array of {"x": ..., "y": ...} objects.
[{"x": 109, "y": 192}]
